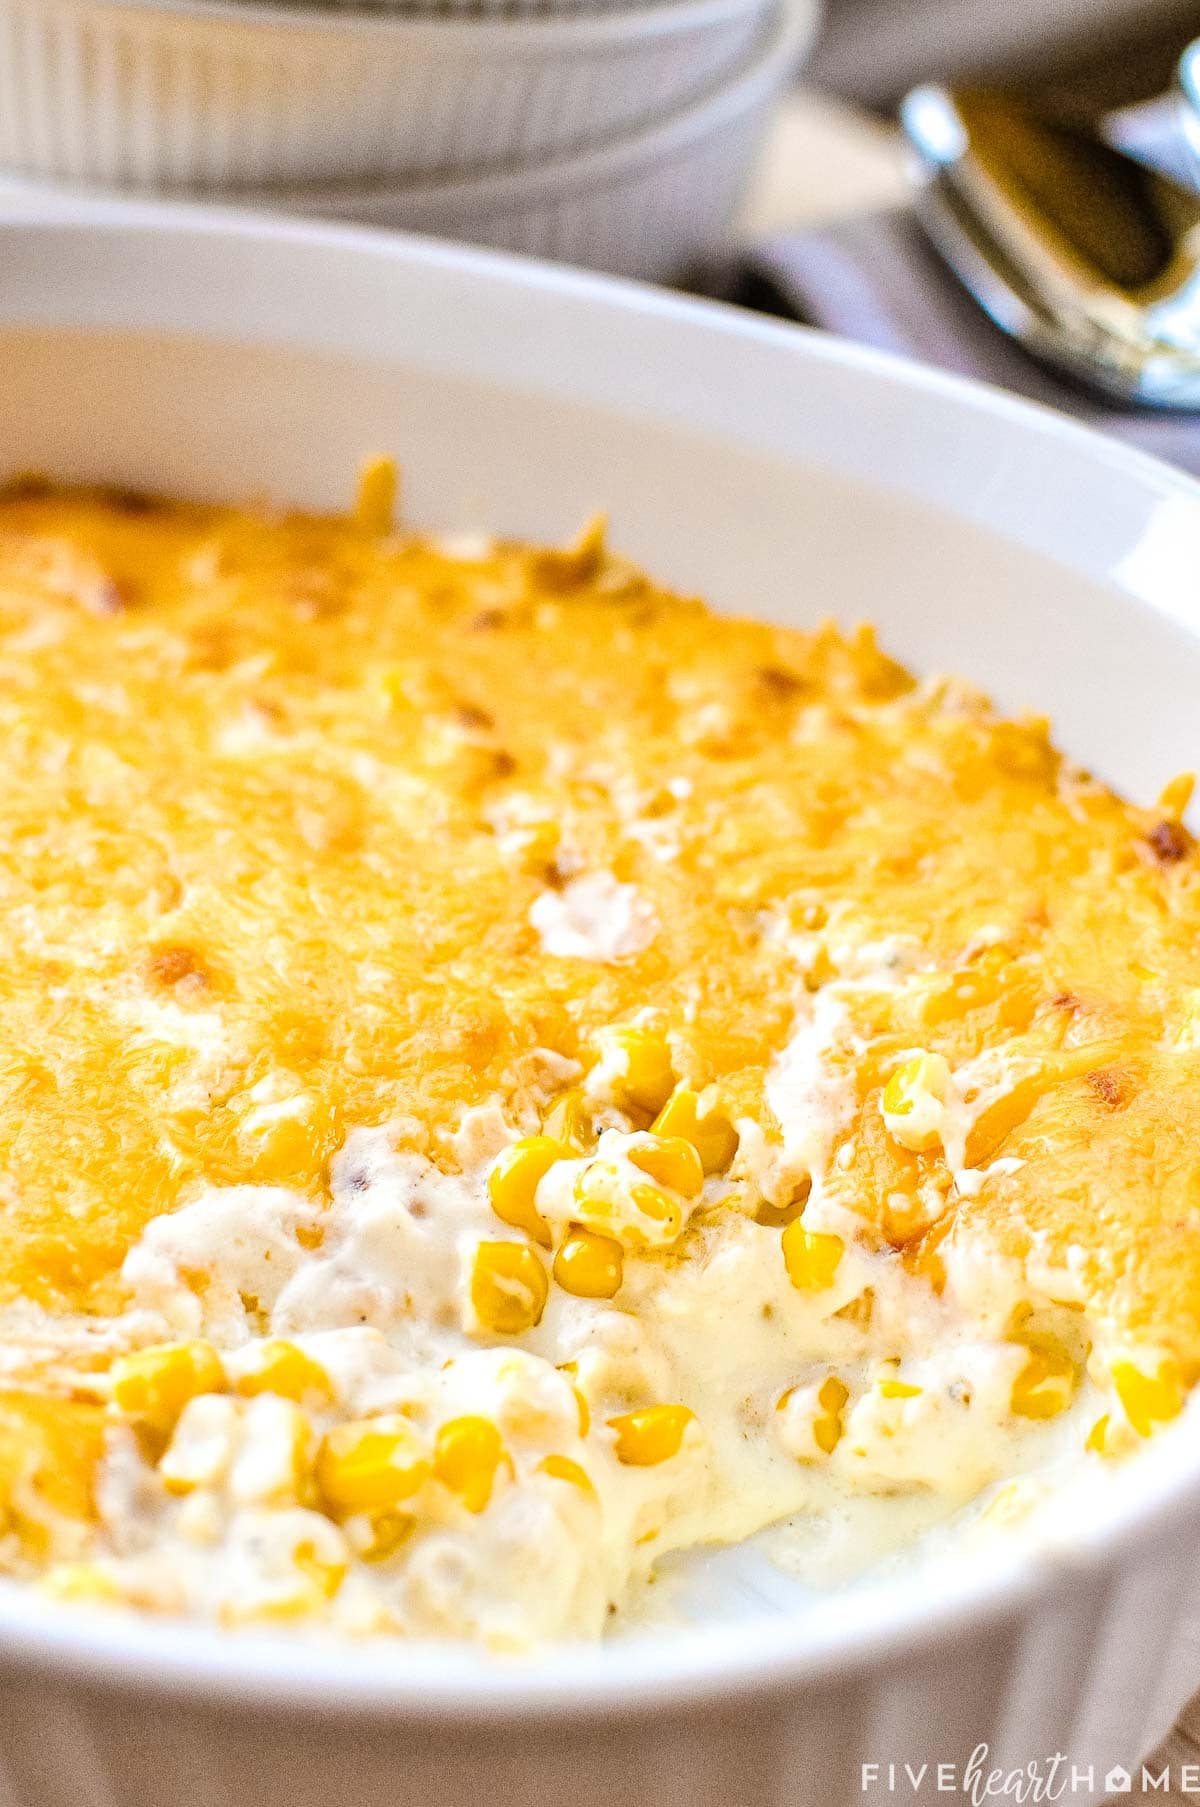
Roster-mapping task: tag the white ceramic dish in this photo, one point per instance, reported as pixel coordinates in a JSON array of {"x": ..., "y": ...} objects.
[
  {"x": 776, "y": 472},
  {"x": 203, "y": 94}
]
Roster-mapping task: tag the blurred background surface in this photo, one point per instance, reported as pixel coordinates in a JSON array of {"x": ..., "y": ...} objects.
[{"x": 1107, "y": 51}]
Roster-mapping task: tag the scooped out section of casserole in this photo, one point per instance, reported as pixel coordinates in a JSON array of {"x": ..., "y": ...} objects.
[{"x": 505, "y": 1074}]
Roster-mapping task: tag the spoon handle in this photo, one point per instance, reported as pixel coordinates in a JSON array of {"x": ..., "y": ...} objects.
[{"x": 1085, "y": 255}]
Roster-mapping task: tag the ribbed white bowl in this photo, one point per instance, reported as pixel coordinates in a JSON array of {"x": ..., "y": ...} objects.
[
  {"x": 648, "y": 205},
  {"x": 202, "y": 94}
]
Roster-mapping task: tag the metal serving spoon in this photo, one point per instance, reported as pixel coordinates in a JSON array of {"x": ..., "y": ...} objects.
[{"x": 1090, "y": 259}]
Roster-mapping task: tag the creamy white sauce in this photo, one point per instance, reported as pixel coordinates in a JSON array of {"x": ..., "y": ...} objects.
[
  {"x": 375, "y": 1286},
  {"x": 594, "y": 917},
  {"x": 970, "y": 1181},
  {"x": 812, "y": 1097},
  {"x": 382, "y": 1305}
]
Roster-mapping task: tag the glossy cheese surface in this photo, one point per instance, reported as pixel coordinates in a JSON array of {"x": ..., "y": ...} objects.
[{"x": 311, "y": 828}]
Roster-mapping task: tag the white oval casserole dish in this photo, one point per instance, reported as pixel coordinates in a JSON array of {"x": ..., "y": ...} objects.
[
  {"x": 206, "y": 94},
  {"x": 778, "y": 473}
]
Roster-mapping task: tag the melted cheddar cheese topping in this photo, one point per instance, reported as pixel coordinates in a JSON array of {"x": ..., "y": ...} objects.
[{"x": 441, "y": 984}]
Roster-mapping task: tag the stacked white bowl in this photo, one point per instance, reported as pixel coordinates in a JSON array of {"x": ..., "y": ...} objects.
[{"x": 607, "y": 134}]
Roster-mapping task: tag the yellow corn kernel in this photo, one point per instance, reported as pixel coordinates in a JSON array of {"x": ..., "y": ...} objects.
[
  {"x": 324, "y": 1572},
  {"x": 589, "y": 1265},
  {"x": 280, "y": 1367},
  {"x": 585, "y": 1412},
  {"x": 1046, "y": 1384},
  {"x": 508, "y": 1288},
  {"x": 948, "y": 996},
  {"x": 383, "y": 1534},
  {"x": 535, "y": 846},
  {"x": 833, "y": 1394},
  {"x": 299, "y": 1582},
  {"x": 827, "y": 1433},
  {"x": 570, "y": 1121},
  {"x": 528, "y": 1414},
  {"x": 304, "y": 1598},
  {"x": 652, "y": 1435},
  {"x": 202, "y": 1444},
  {"x": 657, "y": 1209},
  {"x": 1175, "y": 796},
  {"x": 710, "y": 1133},
  {"x": 370, "y": 1465},
  {"x": 283, "y": 1132},
  {"x": 1097, "y": 1436},
  {"x": 200, "y": 1518},
  {"x": 672, "y": 1162},
  {"x": 466, "y": 1456},
  {"x": 375, "y": 500},
  {"x": 1147, "y": 1400},
  {"x": 859, "y": 1311},
  {"x": 80, "y": 1584},
  {"x": 637, "y": 1214},
  {"x": 1011, "y": 1504},
  {"x": 562, "y": 1468},
  {"x": 898, "y": 1389},
  {"x": 391, "y": 689},
  {"x": 514, "y": 1179},
  {"x": 272, "y": 1464},
  {"x": 827, "y": 1429},
  {"x": 571, "y": 1369},
  {"x": 300, "y": 1601},
  {"x": 777, "y": 1217},
  {"x": 152, "y": 1386},
  {"x": 811, "y": 1257},
  {"x": 640, "y": 1062},
  {"x": 914, "y": 1101}
]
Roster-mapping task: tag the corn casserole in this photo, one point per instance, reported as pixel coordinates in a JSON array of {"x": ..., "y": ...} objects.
[{"x": 505, "y": 1075}]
